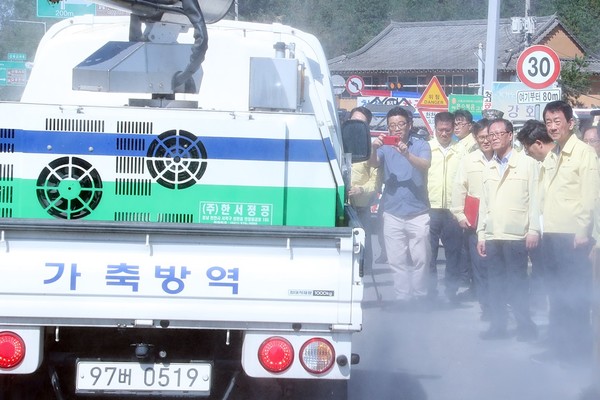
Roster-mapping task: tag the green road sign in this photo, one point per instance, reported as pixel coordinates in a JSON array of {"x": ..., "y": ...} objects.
[
  {"x": 13, "y": 73},
  {"x": 65, "y": 8},
  {"x": 471, "y": 102},
  {"x": 12, "y": 64},
  {"x": 17, "y": 56}
]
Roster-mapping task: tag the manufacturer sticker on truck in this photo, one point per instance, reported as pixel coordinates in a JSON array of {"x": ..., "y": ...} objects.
[
  {"x": 311, "y": 293},
  {"x": 236, "y": 213}
]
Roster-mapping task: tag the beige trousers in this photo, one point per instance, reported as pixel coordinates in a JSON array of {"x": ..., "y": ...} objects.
[{"x": 409, "y": 253}]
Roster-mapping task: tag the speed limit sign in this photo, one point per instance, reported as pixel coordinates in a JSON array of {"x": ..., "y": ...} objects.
[{"x": 538, "y": 66}]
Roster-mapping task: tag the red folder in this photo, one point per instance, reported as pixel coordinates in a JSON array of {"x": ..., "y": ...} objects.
[{"x": 472, "y": 210}]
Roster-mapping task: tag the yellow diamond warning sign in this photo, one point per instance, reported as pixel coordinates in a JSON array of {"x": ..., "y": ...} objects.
[{"x": 433, "y": 96}]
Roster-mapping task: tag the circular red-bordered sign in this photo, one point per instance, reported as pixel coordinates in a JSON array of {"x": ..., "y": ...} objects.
[
  {"x": 538, "y": 66},
  {"x": 354, "y": 85}
]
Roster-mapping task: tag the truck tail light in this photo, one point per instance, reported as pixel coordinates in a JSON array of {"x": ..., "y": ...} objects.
[
  {"x": 276, "y": 354},
  {"x": 12, "y": 350},
  {"x": 317, "y": 356}
]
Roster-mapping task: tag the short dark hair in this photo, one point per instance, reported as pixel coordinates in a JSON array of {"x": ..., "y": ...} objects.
[
  {"x": 443, "y": 116},
  {"x": 561, "y": 106},
  {"x": 466, "y": 114},
  {"x": 364, "y": 111},
  {"x": 507, "y": 124},
  {"x": 591, "y": 127},
  {"x": 480, "y": 125},
  {"x": 399, "y": 111},
  {"x": 532, "y": 131}
]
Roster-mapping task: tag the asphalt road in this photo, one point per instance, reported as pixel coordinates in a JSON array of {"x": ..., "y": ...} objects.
[{"x": 436, "y": 354}]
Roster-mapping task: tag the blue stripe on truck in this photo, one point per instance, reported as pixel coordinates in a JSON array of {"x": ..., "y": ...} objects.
[{"x": 227, "y": 148}]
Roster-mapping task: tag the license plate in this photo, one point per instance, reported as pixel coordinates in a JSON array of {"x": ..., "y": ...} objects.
[{"x": 133, "y": 377}]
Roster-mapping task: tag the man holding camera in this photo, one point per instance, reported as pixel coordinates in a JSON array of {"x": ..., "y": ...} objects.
[{"x": 404, "y": 161}]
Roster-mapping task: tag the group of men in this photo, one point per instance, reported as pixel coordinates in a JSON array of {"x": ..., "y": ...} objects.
[{"x": 471, "y": 189}]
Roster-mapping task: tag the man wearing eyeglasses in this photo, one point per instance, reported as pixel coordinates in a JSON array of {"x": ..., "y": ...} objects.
[
  {"x": 404, "y": 160},
  {"x": 571, "y": 190},
  {"x": 509, "y": 226},
  {"x": 468, "y": 186}
]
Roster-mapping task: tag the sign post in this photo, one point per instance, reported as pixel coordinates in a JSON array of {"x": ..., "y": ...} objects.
[
  {"x": 470, "y": 102},
  {"x": 538, "y": 66},
  {"x": 12, "y": 73},
  {"x": 433, "y": 101},
  {"x": 519, "y": 102},
  {"x": 17, "y": 57}
]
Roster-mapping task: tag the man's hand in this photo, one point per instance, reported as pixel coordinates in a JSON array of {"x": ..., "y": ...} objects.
[
  {"x": 580, "y": 241},
  {"x": 594, "y": 254},
  {"x": 465, "y": 224},
  {"x": 531, "y": 240},
  {"x": 481, "y": 248},
  {"x": 402, "y": 148},
  {"x": 354, "y": 190}
]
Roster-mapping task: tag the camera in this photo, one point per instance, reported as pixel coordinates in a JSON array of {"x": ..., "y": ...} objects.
[{"x": 391, "y": 140}]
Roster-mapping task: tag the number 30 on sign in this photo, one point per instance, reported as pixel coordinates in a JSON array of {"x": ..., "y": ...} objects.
[{"x": 538, "y": 67}]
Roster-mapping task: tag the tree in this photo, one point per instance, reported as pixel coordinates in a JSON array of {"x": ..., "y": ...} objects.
[
  {"x": 581, "y": 18},
  {"x": 574, "y": 80}
]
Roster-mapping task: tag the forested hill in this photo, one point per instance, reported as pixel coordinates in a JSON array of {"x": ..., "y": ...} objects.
[{"x": 345, "y": 25}]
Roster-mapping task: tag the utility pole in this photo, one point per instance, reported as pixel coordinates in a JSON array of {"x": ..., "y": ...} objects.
[
  {"x": 491, "y": 50},
  {"x": 480, "y": 68},
  {"x": 529, "y": 23}
]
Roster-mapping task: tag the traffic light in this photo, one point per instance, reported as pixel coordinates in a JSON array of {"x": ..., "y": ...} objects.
[{"x": 394, "y": 85}]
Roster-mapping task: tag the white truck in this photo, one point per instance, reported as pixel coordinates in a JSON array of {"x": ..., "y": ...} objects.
[{"x": 172, "y": 216}]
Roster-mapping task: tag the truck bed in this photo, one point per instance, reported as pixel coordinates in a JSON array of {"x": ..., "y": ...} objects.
[{"x": 78, "y": 273}]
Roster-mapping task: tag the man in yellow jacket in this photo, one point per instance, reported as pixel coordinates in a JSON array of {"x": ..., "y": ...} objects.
[
  {"x": 445, "y": 157},
  {"x": 538, "y": 145},
  {"x": 571, "y": 190},
  {"x": 509, "y": 225},
  {"x": 365, "y": 184},
  {"x": 468, "y": 183},
  {"x": 463, "y": 130}
]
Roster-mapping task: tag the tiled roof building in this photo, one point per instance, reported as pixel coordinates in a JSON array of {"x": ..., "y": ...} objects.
[{"x": 413, "y": 52}]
